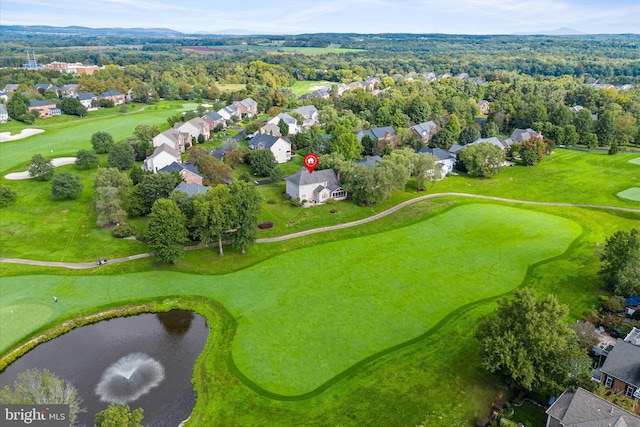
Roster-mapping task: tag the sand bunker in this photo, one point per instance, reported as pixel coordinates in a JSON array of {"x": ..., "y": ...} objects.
[
  {"x": 60, "y": 161},
  {"x": 6, "y": 136}
]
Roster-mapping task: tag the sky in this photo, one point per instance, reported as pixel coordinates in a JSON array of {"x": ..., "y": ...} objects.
[{"x": 335, "y": 16}]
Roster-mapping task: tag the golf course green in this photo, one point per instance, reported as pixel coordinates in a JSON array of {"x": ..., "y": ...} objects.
[
  {"x": 307, "y": 315},
  {"x": 632, "y": 193}
]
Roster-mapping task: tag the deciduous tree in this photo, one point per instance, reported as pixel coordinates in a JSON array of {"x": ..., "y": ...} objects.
[
  {"x": 166, "y": 232},
  {"x": 41, "y": 168},
  {"x": 66, "y": 186},
  {"x": 620, "y": 262},
  {"x": 7, "y": 195},
  {"x": 119, "y": 416},
  {"x": 101, "y": 142},
  {"x": 86, "y": 159},
  {"x": 246, "y": 204},
  {"x": 122, "y": 155},
  {"x": 527, "y": 343},
  {"x": 213, "y": 215},
  {"x": 483, "y": 159},
  {"x": 533, "y": 150}
]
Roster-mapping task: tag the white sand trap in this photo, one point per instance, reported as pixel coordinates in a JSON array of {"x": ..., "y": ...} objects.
[
  {"x": 60, "y": 161},
  {"x": 6, "y": 136}
]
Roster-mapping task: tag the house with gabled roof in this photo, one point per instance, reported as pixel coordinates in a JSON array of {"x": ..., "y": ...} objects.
[
  {"x": 113, "y": 95},
  {"x": 247, "y": 107},
  {"x": 520, "y": 135},
  {"x": 270, "y": 129},
  {"x": 621, "y": 370},
  {"x": 194, "y": 127},
  {"x": 191, "y": 189},
  {"x": 4, "y": 95},
  {"x": 69, "y": 90},
  {"x": 229, "y": 111},
  {"x": 290, "y": 121},
  {"x": 173, "y": 138},
  {"x": 41, "y": 87},
  {"x": 162, "y": 156},
  {"x": 11, "y": 87},
  {"x": 4, "y": 115},
  {"x": 310, "y": 114},
  {"x": 484, "y": 105},
  {"x": 443, "y": 157},
  {"x": 584, "y": 409},
  {"x": 384, "y": 136},
  {"x": 86, "y": 99},
  {"x": 315, "y": 187},
  {"x": 214, "y": 119},
  {"x": 424, "y": 130},
  {"x": 280, "y": 147},
  {"x": 369, "y": 161},
  {"x": 45, "y": 108},
  {"x": 188, "y": 172}
]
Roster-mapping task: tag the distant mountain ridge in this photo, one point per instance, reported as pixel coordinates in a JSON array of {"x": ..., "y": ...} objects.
[
  {"x": 76, "y": 30},
  {"x": 564, "y": 31}
]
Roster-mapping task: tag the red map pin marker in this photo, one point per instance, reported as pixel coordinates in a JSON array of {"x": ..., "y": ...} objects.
[{"x": 311, "y": 161}]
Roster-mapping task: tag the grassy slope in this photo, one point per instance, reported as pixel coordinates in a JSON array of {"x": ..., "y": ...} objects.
[{"x": 302, "y": 87}]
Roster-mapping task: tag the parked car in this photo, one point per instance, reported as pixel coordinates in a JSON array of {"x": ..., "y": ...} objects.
[{"x": 101, "y": 261}]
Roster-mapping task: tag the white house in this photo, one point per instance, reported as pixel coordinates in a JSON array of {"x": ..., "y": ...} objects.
[
  {"x": 195, "y": 127},
  {"x": 446, "y": 159},
  {"x": 280, "y": 147},
  {"x": 316, "y": 187},
  {"x": 4, "y": 115},
  {"x": 162, "y": 156},
  {"x": 86, "y": 98},
  {"x": 290, "y": 121},
  {"x": 310, "y": 114},
  {"x": 173, "y": 138}
]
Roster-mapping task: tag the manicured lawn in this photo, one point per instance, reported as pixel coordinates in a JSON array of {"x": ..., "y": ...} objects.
[
  {"x": 529, "y": 415},
  {"x": 635, "y": 161},
  {"x": 632, "y": 193},
  {"x": 298, "y": 330},
  {"x": 302, "y": 87}
]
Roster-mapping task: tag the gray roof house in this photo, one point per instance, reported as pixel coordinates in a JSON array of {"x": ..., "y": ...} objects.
[
  {"x": 444, "y": 158},
  {"x": 191, "y": 189},
  {"x": 424, "y": 130},
  {"x": 621, "y": 370},
  {"x": 376, "y": 133},
  {"x": 520, "y": 135},
  {"x": 4, "y": 116},
  {"x": 369, "y": 161},
  {"x": 11, "y": 87},
  {"x": 584, "y": 409},
  {"x": 316, "y": 187},
  {"x": 280, "y": 147},
  {"x": 310, "y": 114}
]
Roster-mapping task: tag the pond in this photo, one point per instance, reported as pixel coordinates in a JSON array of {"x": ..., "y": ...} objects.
[{"x": 145, "y": 361}]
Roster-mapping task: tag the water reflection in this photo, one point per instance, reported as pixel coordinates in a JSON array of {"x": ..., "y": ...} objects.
[{"x": 176, "y": 322}]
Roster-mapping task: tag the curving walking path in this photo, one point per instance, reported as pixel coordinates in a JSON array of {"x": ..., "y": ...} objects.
[{"x": 83, "y": 265}]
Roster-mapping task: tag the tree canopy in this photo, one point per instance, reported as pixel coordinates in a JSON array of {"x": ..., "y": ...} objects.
[
  {"x": 119, "y": 416},
  {"x": 166, "y": 232},
  {"x": 101, "y": 142},
  {"x": 41, "y": 168},
  {"x": 483, "y": 159},
  {"x": 620, "y": 262},
  {"x": 527, "y": 343},
  {"x": 66, "y": 186}
]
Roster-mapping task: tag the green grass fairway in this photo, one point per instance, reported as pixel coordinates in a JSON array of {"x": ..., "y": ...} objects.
[
  {"x": 632, "y": 193},
  {"x": 635, "y": 161},
  {"x": 308, "y": 86},
  {"x": 22, "y": 319},
  {"x": 308, "y": 315}
]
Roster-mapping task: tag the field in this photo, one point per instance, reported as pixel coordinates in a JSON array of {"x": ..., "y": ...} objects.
[
  {"x": 302, "y": 87},
  {"x": 336, "y": 328},
  {"x": 272, "y": 49}
]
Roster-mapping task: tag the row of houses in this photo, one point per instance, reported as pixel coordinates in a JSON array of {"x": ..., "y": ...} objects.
[{"x": 48, "y": 108}]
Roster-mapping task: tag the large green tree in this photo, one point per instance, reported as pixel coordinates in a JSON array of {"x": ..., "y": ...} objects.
[
  {"x": 7, "y": 195},
  {"x": 87, "y": 159},
  {"x": 527, "y": 343},
  {"x": 533, "y": 150},
  {"x": 41, "y": 168},
  {"x": 620, "y": 262},
  {"x": 40, "y": 386},
  {"x": 262, "y": 162},
  {"x": 213, "y": 215},
  {"x": 101, "y": 142},
  {"x": 605, "y": 128},
  {"x": 121, "y": 156},
  {"x": 345, "y": 143},
  {"x": 365, "y": 186},
  {"x": 468, "y": 135},
  {"x": 109, "y": 206},
  {"x": 66, "y": 186},
  {"x": 246, "y": 205},
  {"x": 483, "y": 159},
  {"x": 442, "y": 139},
  {"x": 73, "y": 107},
  {"x": 119, "y": 416},
  {"x": 166, "y": 232}
]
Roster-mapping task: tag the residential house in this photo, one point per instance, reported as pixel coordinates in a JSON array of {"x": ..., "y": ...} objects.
[
  {"x": 498, "y": 142},
  {"x": 175, "y": 139},
  {"x": 4, "y": 95},
  {"x": 369, "y": 161},
  {"x": 87, "y": 99},
  {"x": 424, "y": 130},
  {"x": 113, "y": 95},
  {"x": 444, "y": 158},
  {"x": 187, "y": 171},
  {"x": 195, "y": 127},
  {"x": 290, "y": 121},
  {"x": 316, "y": 187},
  {"x": 484, "y": 106},
  {"x": 162, "y": 156},
  {"x": 229, "y": 111},
  {"x": 214, "y": 119},
  {"x": 463, "y": 76},
  {"x": 11, "y": 87},
  {"x": 4, "y": 115},
  {"x": 191, "y": 189},
  {"x": 520, "y": 135},
  {"x": 429, "y": 76},
  {"x": 45, "y": 108},
  {"x": 42, "y": 87},
  {"x": 584, "y": 409},
  {"x": 384, "y": 136},
  {"x": 247, "y": 107},
  {"x": 621, "y": 370},
  {"x": 577, "y": 108},
  {"x": 69, "y": 90},
  {"x": 310, "y": 114},
  {"x": 280, "y": 147},
  {"x": 270, "y": 129}
]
